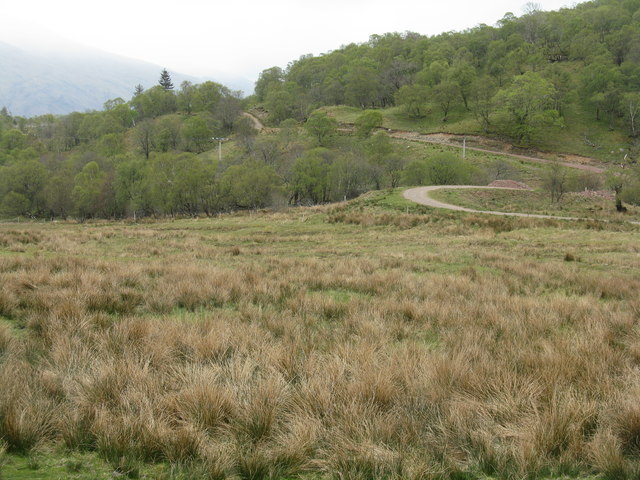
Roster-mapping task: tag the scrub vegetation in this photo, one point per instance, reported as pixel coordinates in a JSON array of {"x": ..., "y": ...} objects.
[{"x": 371, "y": 339}]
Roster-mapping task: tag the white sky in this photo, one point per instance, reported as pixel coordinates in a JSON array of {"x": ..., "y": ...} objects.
[{"x": 238, "y": 37}]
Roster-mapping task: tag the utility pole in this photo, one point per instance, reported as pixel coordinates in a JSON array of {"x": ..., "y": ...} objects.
[{"x": 220, "y": 140}]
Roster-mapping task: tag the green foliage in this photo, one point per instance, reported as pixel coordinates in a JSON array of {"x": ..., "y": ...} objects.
[
  {"x": 556, "y": 181},
  {"x": 561, "y": 81},
  {"x": 130, "y": 184},
  {"x": 286, "y": 101},
  {"x": 367, "y": 122},
  {"x": 250, "y": 185},
  {"x": 321, "y": 127},
  {"x": 268, "y": 79},
  {"x": 196, "y": 134},
  {"x": 154, "y": 102},
  {"x": 528, "y": 104},
  {"x": 87, "y": 193},
  {"x": 14, "y": 139},
  {"x": 310, "y": 177},
  {"x": 414, "y": 99},
  {"x": 14, "y": 203},
  {"x": 626, "y": 183},
  {"x": 165, "y": 80},
  {"x": 23, "y": 180},
  {"x": 440, "y": 169}
]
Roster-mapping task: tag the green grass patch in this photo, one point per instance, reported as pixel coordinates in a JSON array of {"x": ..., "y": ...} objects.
[
  {"x": 573, "y": 204},
  {"x": 68, "y": 466}
]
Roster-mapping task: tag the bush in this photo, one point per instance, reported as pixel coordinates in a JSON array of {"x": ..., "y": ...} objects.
[
  {"x": 367, "y": 122},
  {"x": 441, "y": 169}
]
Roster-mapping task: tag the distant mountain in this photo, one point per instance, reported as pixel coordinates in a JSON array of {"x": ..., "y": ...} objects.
[{"x": 35, "y": 82}]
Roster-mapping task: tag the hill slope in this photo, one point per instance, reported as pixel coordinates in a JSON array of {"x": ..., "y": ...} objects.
[{"x": 36, "y": 83}]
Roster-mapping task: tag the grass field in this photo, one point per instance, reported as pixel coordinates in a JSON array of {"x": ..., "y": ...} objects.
[
  {"x": 368, "y": 340},
  {"x": 572, "y": 204}
]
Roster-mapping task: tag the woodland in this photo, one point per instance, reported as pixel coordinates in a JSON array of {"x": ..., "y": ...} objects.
[{"x": 572, "y": 76}]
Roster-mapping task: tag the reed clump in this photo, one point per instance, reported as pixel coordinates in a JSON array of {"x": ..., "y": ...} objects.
[{"x": 368, "y": 348}]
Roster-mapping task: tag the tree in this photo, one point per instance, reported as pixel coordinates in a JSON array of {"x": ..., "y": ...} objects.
[
  {"x": 444, "y": 94},
  {"x": 206, "y": 96},
  {"x": 555, "y": 181},
  {"x": 57, "y": 193},
  {"x": 379, "y": 152},
  {"x": 87, "y": 191},
  {"x": 414, "y": 99},
  {"x": 24, "y": 176},
  {"x": 348, "y": 176},
  {"x": 110, "y": 145},
  {"x": 145, "y": 136},
  {"x": 600, "y": 85},
  {"x": 14, "y": 139},
  {"x": 186, "y": 96},
  {"x": 528, "y": 102},
  {"x": 167, "y": 132},
  {"x": 463, "y": 75},
  {"x": 196, "y": 135},
  {"x": 281, "y": 105},
  {"x": 268, "y": 78},
  {"x": 227, "y": 111},
  {"x": 440, "y": 169},
  {"x": 154, "y": 102},
  {"x": 367, "y": 122},
  {"x": 362, "y": 87},
  {"x": 165, "y": 80},
  {"x": 631, "y": 191},
  {"x": 193, "y": 184},
  {"x": 310, "y": 177},
  {"x": 129, "y": 185},
  {"x": 14, "y": 203},
  {"x": 447, "y": 169},
  {"x": 245, "y": 131},
  {"x": 321, "y": 126},
  {"x": 482, "y": 100},
  {"x": 631, "y": 107},
  {"x": 250, "y": 185}
]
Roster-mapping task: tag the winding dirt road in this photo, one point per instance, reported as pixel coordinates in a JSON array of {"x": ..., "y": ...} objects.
[{"x": 421, "y": 195}]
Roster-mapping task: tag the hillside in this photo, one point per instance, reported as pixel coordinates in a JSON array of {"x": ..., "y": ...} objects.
[
  {"x": 60, "y": 82},
  {"x": 353, "y": 120},
  {"x": 564, "y": 81}
]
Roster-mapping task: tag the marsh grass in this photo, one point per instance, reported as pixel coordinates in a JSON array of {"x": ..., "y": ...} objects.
[{"x": 361, "y": 342}]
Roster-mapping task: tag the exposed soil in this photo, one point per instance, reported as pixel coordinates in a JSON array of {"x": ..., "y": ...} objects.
[
  {"x": 605, "y": 194},
  {"x": 257, "y": 123}
]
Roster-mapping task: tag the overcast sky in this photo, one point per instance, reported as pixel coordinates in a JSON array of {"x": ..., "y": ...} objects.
[{"x": 239, "y": 37}]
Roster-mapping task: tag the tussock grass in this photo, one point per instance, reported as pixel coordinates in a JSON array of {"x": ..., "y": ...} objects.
[{"x": 429, "y": 346}]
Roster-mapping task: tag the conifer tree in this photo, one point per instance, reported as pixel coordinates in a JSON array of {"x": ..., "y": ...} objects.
[{"x": 165, "y": 80}]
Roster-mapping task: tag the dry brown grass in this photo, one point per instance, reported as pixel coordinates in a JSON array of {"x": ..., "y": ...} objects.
[{"x": 356, "y": 350}]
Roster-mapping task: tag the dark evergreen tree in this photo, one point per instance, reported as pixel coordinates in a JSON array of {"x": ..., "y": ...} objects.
[
  {"x": 138, "y": 90},
  {"x": 165, "y": 80}
]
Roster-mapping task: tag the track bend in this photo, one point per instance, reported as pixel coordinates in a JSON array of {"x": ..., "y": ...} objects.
[{"x": 421, "y": 195}]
